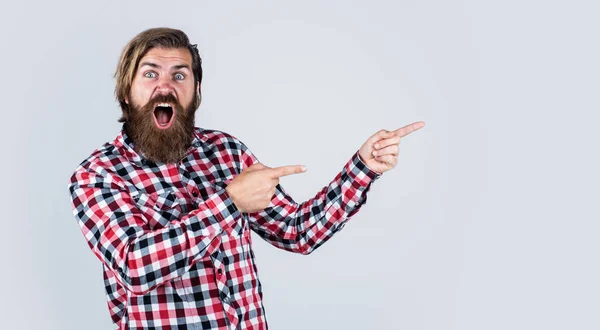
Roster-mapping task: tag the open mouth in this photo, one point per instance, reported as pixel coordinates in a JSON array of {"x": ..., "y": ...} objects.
[{"x": 163, "y": 115}]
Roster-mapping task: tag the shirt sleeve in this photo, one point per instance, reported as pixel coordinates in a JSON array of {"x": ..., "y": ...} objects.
[
  {"x": 303, "y": 227},
  {"x": 118, "y": 233}
]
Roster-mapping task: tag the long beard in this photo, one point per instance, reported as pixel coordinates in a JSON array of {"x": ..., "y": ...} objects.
[{"x": 161, "y": 145}]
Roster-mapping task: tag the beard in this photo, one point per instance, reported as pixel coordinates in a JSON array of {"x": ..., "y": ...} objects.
[{"x": 161, "y": 145}]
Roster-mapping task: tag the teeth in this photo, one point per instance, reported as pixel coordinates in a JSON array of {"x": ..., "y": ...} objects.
[{"x": 163, "y": 105}]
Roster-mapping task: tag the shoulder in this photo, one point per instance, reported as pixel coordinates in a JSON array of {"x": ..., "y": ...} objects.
[
  {"x": 100, "y": 163},
  {"x": 224, "y": 142},
  {"x": 103, "y": 156},
  {"x": 214, "y": 137}
]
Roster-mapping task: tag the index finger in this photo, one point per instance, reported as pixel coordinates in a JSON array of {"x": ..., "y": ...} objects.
[
  {"x": 277, "y": 172},
  {"x": 404, "y": 131}
]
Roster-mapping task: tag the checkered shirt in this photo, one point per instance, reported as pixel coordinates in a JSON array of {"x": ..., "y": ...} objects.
[{"x": 176, "y": 252}]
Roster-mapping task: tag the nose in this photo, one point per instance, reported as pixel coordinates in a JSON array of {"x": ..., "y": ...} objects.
[{"x": 165, "y": 86}]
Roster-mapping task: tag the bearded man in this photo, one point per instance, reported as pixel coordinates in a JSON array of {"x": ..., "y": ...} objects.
[{"x": 168, "y": 207}]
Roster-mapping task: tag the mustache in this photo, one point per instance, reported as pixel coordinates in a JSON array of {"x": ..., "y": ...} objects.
[{"x": 162, "y": 98}]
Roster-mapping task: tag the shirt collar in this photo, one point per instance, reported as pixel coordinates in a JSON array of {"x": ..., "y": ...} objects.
[{"x": 125, "y": 146}]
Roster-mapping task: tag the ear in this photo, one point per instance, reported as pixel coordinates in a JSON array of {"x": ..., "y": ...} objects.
[
  {"x": 127, "y": 100},
  {"x": 199, "y": 99}
]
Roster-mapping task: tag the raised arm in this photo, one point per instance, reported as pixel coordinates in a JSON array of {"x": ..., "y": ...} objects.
[
  {"x": 303, "y": 227},
  {"x": 297, "y": 227}
]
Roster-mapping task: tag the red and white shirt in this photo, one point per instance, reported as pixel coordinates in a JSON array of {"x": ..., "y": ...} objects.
[{"x": 175, "y": 250}]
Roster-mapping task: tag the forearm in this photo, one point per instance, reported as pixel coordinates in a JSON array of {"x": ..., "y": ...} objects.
[
  {"x": 158, "y": 256},
  {"x": 142, "y": 257},
  {"x": 303, "y": 227}
]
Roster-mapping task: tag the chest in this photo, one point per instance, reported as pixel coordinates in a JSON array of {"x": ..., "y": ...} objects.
[{"x": 168, "y": 192}]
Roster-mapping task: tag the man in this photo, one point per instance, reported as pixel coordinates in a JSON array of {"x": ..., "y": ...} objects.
[{"x": 168, "y": 207}]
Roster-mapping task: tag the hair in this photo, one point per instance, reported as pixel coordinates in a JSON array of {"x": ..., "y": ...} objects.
[{"x": 138, "y": 47}]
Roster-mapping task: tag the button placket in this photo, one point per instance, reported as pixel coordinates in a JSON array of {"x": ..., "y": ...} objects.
[
  {"x": 221, "y": 281},
  {"x": 190, "y": 185},
  {"x": 220, "y": 278}
]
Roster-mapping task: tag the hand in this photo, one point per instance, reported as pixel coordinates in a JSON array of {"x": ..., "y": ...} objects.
[
  {"x": 253, "y": 189},
  {"x": 380, "y": 152}
]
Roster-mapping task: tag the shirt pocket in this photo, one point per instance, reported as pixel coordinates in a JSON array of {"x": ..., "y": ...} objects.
[{"x": 159, "y": 209}]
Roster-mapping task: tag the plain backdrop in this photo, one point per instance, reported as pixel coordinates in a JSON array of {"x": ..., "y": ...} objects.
[{"x": 489, "y": 221}]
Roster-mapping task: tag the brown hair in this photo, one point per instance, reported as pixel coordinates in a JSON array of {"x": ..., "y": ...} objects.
[{"x": 138, "y": 47}]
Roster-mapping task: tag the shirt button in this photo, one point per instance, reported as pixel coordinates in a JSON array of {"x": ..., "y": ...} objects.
[
  {"x": 195, "y": 193},
  {"x": 223, "y": 296},
  {"x": 219, "y": 271}
]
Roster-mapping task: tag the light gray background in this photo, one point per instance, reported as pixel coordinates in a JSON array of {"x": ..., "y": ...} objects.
[{"x": 489, "y": 221}]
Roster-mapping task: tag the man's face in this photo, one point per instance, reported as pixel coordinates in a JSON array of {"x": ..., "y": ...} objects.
[{"x": 162, "y": 102}]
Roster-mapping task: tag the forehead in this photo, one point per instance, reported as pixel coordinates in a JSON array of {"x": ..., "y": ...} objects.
[{"x": 167, "y": 57}]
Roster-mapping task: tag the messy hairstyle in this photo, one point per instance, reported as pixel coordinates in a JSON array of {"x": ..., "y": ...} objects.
[{"x": 138, "y": 47}]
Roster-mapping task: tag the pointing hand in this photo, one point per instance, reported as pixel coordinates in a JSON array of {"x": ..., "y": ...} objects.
[
  {"x": 380, "y": 152},
  {"x": 253, "y": 189}
]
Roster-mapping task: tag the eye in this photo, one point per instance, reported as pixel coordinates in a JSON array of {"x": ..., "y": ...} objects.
[
  {"x": 150, "y": 74},
  {"x": 179, "y": 76}
]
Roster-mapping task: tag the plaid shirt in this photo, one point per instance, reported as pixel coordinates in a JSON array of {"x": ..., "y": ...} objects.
[{"x": 176, "y": 252}]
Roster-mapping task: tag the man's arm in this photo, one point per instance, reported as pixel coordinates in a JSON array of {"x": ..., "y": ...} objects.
[
  {"x": 303, "y": 227},
  {"x": 118, "y": 234}
]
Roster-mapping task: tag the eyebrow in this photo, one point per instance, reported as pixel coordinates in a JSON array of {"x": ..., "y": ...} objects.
[{"x": 176, "y": 67}]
